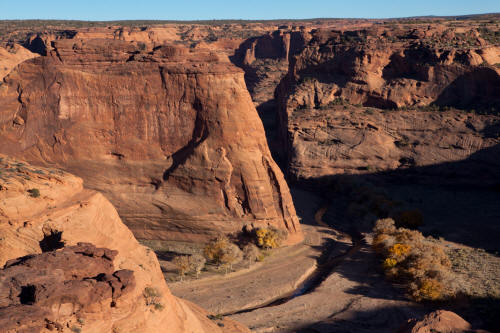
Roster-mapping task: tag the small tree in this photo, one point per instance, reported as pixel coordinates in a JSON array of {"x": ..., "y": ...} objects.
[
  {"x": 196, "y": 263},
  {"x": 222, "y": 252},
  {"x": 250, "y": 253},
  {"x": 214, "y": 250},
  {"x": 268, "y": 238},
  {"x": 230, "y": 255},
  {"x": 183, "y": 265}
]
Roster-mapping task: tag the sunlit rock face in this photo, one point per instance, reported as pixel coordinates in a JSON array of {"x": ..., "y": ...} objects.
[{"x": 170, "y": 136}]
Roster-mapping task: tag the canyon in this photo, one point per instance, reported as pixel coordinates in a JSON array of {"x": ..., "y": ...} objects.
[
  {"x": 68, "y": 261},
  {"x": 313, "y": 128},
  {"x": 180, "y": 159}
]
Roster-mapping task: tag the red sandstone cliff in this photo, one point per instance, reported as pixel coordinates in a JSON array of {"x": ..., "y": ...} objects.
[
  {"x": 169, "y": 136},
  {"x": 327, "y": 126}
]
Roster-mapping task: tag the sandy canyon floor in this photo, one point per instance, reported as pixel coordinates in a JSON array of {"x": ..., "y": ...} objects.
[{"x": 333, "y": 282}]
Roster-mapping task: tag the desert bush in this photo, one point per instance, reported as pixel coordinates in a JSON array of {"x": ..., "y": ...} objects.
[
  {"x": 407, "y": 236},
  {"x": 382, "y": 242},
  {"x": 153, "y": 298},
  {"x": 34, "y": 192},
  {"x": 250, "y": 253},
  {"x": 196, "y": 263},
  {"x": 399, "y": 251},
  {"x": 426, "y": 289},
  {"x": 183, "y": 265},
  {"x": 389, "y": 263},
  {"x": 410, "y": 258},
  {"x": 268, "y": 238},
  {"x": 230, "y": 255},
  {"x": 222, "y": 252},
  {"x": 214, "y": 249},
  {"x": 384, "y": 227},
  {"x": 380, "y": 205}
]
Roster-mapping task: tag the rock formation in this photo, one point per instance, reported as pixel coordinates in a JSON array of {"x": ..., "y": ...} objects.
[
  {"x": 54, "y": 279},
  {"x": 333, "y": 141},
  {"x": 170, "y": 136},
  {"x": 439, "y": 321},
  {"x": 326, "y": 118},
  {"x": 393, "y": 68},
  {"x": 265, "y": 60},
  {"x": 12, "y": 55}
]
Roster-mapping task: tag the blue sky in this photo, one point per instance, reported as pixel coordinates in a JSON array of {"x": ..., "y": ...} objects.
[{"x": 248, "y": 9}]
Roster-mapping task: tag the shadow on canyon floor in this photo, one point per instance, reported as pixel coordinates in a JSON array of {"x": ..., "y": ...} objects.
[
  {"x": 459, "y": 200},
  {"x": 382, "y": 319}
]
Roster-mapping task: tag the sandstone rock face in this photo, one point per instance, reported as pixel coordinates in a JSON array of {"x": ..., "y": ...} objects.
[
  {"x": 54, "y": 279},
  {"x": 265, "y": 60},
  {"x": 325, "y": 117},
  {"x": 390, "y": 69},
  {"x": 169, "y": 136},
  {"x": 11, "y": 56},
  {"x": 439, "y": 321},
  {"x": 356, "y": 140},
  {"x": 224, "y": 38}
]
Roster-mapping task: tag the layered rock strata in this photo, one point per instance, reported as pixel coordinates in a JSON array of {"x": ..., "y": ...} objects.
[
  {"x": 329, "y": 102},
  {"x": 357, "y": 140},
  {"x": 12, "y": 55},
  {"x": 170, "y": 136}
]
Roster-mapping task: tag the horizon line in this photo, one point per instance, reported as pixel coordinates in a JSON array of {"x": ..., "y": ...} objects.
[{"x": 257, "y": 20}]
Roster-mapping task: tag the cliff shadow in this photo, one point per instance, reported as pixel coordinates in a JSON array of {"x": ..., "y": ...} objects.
[
  {"x": 393, "y": 318},
  {"x": 478, "y": 89},
  {"x": 459, "y": 200}
]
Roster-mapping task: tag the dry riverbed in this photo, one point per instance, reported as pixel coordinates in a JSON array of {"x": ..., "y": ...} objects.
[
  {"x": 283, "y": 293},
  {"x": 263, "y": 283}
]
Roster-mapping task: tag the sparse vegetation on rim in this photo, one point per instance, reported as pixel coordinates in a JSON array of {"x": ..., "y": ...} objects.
[
  {"x": 153, "y": 298},
  {"x": 34, "y": 192}
]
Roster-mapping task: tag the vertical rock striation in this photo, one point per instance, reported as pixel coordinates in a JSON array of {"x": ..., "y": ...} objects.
[{"x": 170, "y": 136}]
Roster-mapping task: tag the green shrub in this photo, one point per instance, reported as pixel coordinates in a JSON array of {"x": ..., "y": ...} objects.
[
  {"x": 34, "y": 192},
  {"x": 153, "y": 298}
]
